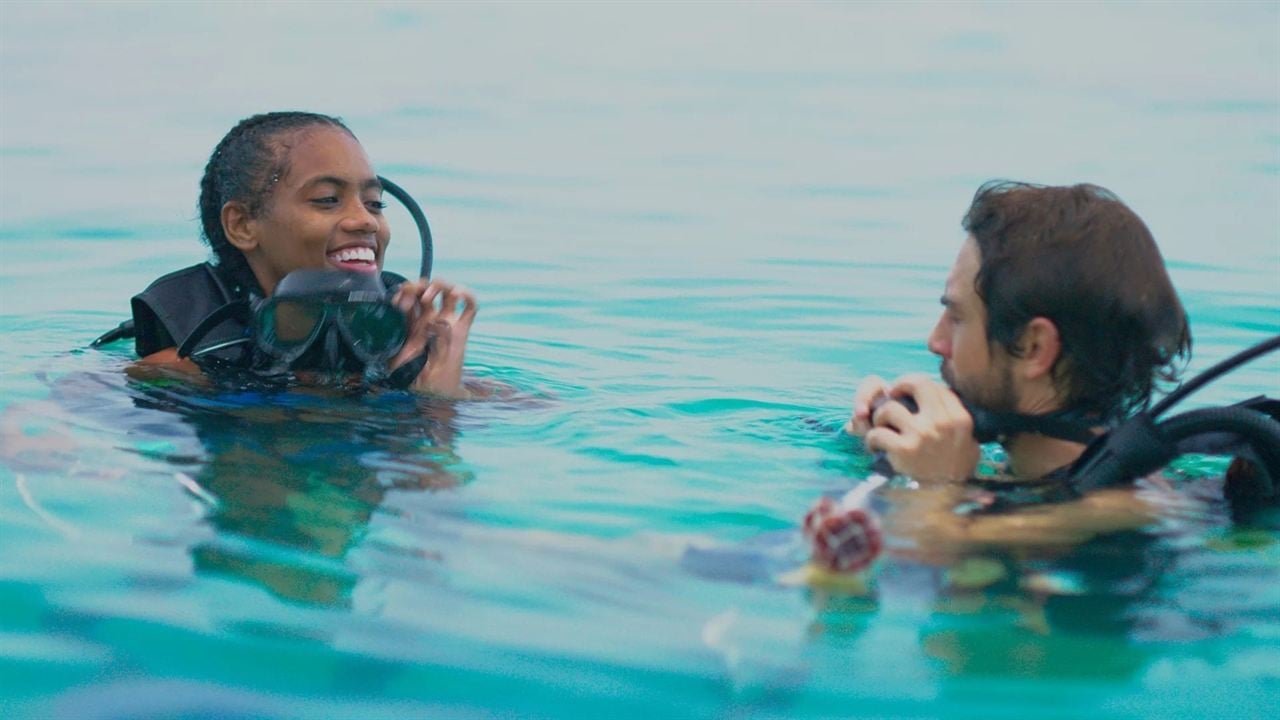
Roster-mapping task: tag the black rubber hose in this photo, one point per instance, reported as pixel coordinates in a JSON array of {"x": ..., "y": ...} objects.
[
  {"x": 1261, "y": 432},
  {"x": 1139, "y": 446},
  {"x": 419, "y": 218},
  {"x": 1214, "y": 373}
]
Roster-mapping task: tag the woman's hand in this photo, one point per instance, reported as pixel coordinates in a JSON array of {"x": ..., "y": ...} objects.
[{"x": 441, "y": 331}]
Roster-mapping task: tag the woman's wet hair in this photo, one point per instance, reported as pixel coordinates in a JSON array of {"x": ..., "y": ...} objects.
[
  {"x": 1082, "y": 259},
  {"x": 244, "y": 167}
]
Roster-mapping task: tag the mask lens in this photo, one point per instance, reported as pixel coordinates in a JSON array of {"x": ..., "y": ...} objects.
[
  {"x": 374, "y": 329},
  {"x": 290, "y": 324}
]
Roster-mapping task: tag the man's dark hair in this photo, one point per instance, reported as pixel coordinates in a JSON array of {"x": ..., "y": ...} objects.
[
  {"x": 1082, "y": 259},
  {"x": 244, "y": 166}
]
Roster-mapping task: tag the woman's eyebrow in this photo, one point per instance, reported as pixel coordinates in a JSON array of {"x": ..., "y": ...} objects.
[{"x": 372, "y": 183}]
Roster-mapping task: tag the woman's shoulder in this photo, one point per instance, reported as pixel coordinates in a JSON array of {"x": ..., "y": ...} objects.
[
  {"x": 193, "y": 278},
  {"x": 173, "y": 304}
]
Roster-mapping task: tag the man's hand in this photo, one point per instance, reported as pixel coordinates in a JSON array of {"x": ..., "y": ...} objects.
[
  {"x": 443, "y": 330},
  {"x": 870, "y": 389},
  {"x": 935, "y": 443}
]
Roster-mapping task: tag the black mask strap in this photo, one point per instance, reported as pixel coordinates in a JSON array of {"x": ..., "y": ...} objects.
[{"x": 1063, "y": 425}]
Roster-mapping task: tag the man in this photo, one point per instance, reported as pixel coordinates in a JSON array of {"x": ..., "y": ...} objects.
[{"x": 1058, "y": 302}]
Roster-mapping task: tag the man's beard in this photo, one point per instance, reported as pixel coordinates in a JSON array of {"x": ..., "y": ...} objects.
[{"x": 994, "y": 392}]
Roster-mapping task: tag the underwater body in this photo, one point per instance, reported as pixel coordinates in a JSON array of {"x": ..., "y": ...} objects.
[{"x": 687, "y": 250}]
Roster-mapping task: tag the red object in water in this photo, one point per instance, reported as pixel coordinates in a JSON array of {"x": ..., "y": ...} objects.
[
  {"x": 821, "y": 510},
  {"x": 843, "y": 539}
]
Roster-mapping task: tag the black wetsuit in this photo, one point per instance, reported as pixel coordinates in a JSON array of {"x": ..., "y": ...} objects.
[{"x": 171, "y": 307}]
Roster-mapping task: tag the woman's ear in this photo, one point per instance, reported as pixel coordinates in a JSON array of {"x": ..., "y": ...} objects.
[
  {"x": 237, "y": 223},
  {"x": 1041, "y": 346}
]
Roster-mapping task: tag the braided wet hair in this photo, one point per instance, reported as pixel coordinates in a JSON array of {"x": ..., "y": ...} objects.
[{"x": 244, "y": 167}]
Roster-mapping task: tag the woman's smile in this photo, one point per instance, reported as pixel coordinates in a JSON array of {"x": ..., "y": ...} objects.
[{"x": 356, "y": 258}]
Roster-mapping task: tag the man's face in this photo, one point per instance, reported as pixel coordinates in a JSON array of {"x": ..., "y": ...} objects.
[{"x": 977, "y": 372}]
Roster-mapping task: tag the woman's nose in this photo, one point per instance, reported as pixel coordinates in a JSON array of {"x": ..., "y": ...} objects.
[{"x": 360, "y": 219}]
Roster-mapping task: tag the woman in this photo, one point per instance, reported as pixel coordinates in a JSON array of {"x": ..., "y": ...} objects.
[{"x": 286, "y": 191}]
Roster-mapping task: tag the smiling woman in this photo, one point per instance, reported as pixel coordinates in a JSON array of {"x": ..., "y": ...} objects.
[{"x": 294, "y": 191}]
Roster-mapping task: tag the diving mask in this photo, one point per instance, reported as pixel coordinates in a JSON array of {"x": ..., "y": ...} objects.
[{"x": 329, "y": 320}]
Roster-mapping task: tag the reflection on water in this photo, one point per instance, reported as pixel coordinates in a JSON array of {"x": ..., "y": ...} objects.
[
  {"x": 289, "y": 479},
  {"x": 307, "y": 481}
]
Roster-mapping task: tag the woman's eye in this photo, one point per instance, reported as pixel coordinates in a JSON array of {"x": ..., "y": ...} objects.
[
  {"x": 327, "y": 200},
  {"x": 376, "y": 205}
]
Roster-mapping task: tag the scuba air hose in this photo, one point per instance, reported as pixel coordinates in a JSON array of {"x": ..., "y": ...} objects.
[
  {"x": 419, "y": 219},
  {"x": 1144, "y": 443}
]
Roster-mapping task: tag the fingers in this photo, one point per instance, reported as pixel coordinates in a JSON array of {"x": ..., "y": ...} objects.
[
  {"x": 871, "y": 388},
  {"x": 470, "y": 307},
  {"x": 438, "y": 313},
  {"x": 416, "y": 299},
  {"x": 427, "y": 301},
  {"x": 455, "y": 300},
  {"x": 419, "y": 296},
  {"x": 933, "y": 443},
  {"x": 935, "y": 401},
  {"x": 406, "y": 295},
  {"x": 453, "y": 297},
  {"x": 886, "y": 440},
  {"x": 894, "y": 416}
]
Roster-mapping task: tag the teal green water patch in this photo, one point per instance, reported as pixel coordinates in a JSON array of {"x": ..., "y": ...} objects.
[
  {"x": 712, "y": 406},
  {"x": 44, "y": 231}
]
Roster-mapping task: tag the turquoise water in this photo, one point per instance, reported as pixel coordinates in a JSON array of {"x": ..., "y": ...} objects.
[{"x": 691, "y": 230}]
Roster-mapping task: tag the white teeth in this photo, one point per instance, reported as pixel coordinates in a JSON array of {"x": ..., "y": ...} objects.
[{"x": 353, "y": 254}]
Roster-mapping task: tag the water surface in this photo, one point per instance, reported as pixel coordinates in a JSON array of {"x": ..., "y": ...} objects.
[{"x": 692, "y": 229}]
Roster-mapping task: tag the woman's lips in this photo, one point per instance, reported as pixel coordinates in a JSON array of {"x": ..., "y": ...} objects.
[{"x": 357, "y": 259}]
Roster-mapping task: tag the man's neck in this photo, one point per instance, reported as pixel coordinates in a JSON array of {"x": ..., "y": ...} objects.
[{"x": 1033, "y": 456}]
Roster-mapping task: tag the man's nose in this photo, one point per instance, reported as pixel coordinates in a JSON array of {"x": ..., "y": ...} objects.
[{"x": 939, "y": 342}]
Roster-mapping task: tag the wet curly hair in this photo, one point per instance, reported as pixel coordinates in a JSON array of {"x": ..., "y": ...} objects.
[{"x": 1079, "y": 257}]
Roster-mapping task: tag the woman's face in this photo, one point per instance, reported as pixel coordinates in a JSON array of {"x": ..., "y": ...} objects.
[{"x": 325, "y": 211}]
